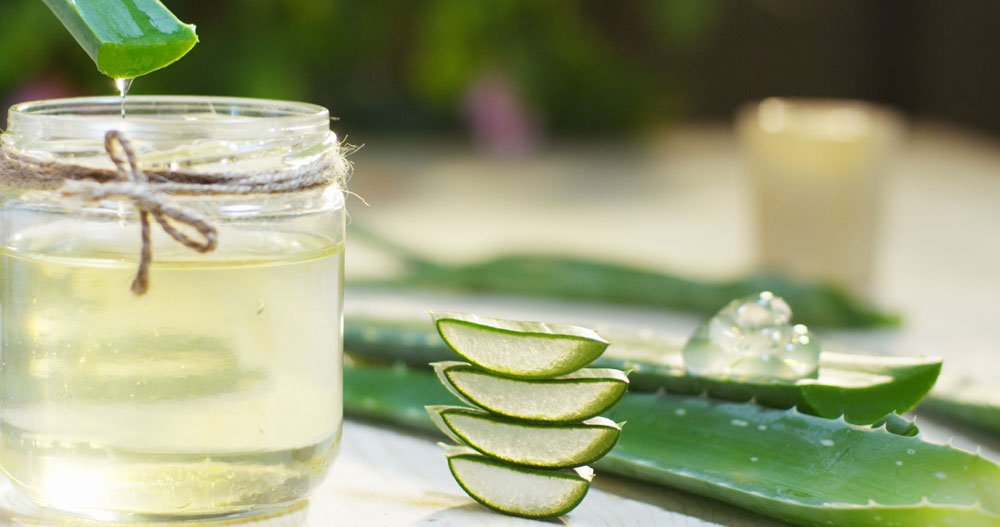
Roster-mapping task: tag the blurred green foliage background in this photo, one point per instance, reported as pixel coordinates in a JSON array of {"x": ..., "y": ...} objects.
[
  {"x": 394, "y": 63},
  {"x": 576, "y": 67}
]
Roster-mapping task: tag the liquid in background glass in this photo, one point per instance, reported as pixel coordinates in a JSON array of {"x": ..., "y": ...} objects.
[
  {"x": 816, "y": 168},
  {"x": 219, "y": 390}
]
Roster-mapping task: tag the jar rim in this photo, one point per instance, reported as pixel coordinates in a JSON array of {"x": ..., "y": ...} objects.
[{"x": 222, "y": 117}]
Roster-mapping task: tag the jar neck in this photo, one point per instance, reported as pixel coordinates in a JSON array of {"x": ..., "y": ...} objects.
[{"x": 189, "y": 133}]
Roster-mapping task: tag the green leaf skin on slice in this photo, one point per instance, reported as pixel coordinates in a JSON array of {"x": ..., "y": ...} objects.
[
  {"x": 798, "y": 468},
  {"x": 527, "y": 350},
  {"x": 862, "y": 388},
  {"x": 573, "y": 397},
  {"x": 126, "y": 38},
  {"x": 518, "y": 491},
  {"x": 542, "y": 445}
]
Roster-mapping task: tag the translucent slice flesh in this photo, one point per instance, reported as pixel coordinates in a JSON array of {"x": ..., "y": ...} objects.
[
  {"x": 548, "y": 445},
  {"x": 573, "y": 397},
  {"x": 519, "y": 491},
  {"x": 529, "y": 350}
]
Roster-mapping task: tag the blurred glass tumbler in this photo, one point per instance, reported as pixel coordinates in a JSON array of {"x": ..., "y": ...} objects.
[
  {"x": 218, "y": 391},
  {"x": 816, "y": 166}
]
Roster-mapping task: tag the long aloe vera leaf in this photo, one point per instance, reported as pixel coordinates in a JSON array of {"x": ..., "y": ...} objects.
[
  {"x": 126, "y": 38},
  {"x": 798, "y": 468},
  {"x": 974, "y": 403},
  {"x": 579, "y": 279},
  {"x": 863, "y": 389}
]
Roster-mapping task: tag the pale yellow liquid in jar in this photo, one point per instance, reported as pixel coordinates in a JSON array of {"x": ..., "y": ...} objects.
[{"x": 217, "y": 392}]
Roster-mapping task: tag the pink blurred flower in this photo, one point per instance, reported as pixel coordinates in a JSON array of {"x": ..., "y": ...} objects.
[{"x": 500, "y": 119}]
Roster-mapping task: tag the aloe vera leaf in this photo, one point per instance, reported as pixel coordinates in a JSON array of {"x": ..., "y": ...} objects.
[
  {"x": 864, "y": 389},
  {"x": 542, "y": 445},
  {"x": 798, "y": 468},
  {"x": 971, "y": 402},
  {"x": 861, "y": 388},
  {"x": 576, "y": 396},
  {"x": 897, "y": 424},
  {"x": 529, "y": 350},
  {"x": 579, "y": 279},
  {"x": 126, "y": 38}
]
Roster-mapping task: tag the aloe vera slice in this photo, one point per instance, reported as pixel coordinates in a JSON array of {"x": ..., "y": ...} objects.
[
  {"x": 572, "y": 397},
  {"x": 126, "y": 38},
  {"x": 798, "y": 468},
  {"x": 527, "y": 350},
  {"x": 520, "y": 491},
  {"x": 543, "y": 445},
  {"x": 861, "y": 388}
]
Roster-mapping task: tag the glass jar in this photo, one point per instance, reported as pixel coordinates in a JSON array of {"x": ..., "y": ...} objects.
[{"x": 216, "y": 392}]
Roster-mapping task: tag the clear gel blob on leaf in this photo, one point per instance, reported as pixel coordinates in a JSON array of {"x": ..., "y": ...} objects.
[{"x": 752, "y": 338}]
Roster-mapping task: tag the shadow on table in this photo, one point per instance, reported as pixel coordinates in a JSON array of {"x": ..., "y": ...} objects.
[
  {"x": 710, "y": 511},
  {"x": 603, "y": 509},
  {"x": 474, "y": 514}
]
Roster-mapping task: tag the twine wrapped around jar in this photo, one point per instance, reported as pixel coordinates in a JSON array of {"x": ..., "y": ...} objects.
[{"x": 149, "y": 191}]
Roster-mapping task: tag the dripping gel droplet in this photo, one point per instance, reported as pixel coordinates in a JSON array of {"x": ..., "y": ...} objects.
[{"x": 123, "y": 86}]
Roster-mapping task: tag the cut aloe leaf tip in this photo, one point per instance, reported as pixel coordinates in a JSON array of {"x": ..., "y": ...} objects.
[
  {"x": 572, "y": 397},
  {"x": 519, "y": 491},
  {"x": 126, "y": 38},
  {"x": 528, "y": 350},
  {"x": 544, "y": 445}
]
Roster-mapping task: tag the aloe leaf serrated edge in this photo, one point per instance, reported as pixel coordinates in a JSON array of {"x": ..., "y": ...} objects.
[{"x": 808, "y": 470}]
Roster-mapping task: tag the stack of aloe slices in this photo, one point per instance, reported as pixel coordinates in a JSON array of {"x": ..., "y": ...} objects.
[{"x": 526, "y": 445}]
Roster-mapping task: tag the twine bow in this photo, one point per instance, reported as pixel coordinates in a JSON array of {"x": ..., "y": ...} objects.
[{"x": 133, "y": 185}]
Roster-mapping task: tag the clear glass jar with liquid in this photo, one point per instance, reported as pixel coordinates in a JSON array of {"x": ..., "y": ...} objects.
[{"x": 216, "y": 392}]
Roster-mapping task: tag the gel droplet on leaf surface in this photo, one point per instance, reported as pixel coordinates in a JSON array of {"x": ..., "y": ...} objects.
[{"x": 752, "y": 338}]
